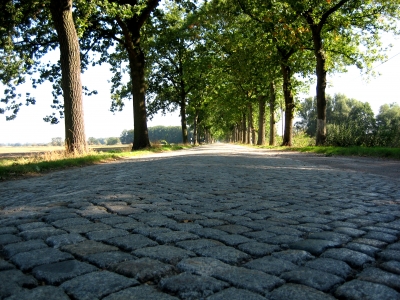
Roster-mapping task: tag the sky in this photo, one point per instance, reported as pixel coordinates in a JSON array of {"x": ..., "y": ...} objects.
[{"x": 29, "y": 126}]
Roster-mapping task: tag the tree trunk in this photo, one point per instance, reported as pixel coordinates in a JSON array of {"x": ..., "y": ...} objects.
[
  {"x": 289, "y": 104},
  {"x": 195, "y": 129},
  {"x": 244, "y": 129},
  {"x": 261, "y": 120},
  {"x": 61, "y": 13},
  {"x": 272, "y": 122},
  {"x": 250, "y": 128},
  {"x": 183, "y": 119}
]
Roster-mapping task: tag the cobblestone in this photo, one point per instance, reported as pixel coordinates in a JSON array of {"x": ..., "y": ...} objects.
[{"x": 212, "y": 222}]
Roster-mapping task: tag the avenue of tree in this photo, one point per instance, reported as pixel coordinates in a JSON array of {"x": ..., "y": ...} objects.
[{"x": 226, "y": 65}]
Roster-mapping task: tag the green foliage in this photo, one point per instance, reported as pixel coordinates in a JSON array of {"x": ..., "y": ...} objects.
[
  {"x": 170, "y": 134},
  {"x": 388, "y": 126},
  {"x": 113, "y": 141}
]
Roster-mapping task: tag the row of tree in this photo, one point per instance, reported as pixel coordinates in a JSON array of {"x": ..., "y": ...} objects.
[{"x": 220, "y": 63}]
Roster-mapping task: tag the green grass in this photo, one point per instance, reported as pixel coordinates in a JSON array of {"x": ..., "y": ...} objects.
[
  {"x": 34, "y": 164},
  {"x": 382, "y": 152}
]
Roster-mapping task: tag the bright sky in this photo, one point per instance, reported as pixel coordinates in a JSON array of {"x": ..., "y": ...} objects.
[{"x": 29, "y": 126}]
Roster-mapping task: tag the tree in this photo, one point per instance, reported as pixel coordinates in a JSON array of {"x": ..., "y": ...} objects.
[
  {"x": 388, "y": 125},
  {"x": 113, "y": 141}
]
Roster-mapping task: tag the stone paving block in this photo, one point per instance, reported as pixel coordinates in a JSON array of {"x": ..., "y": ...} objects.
[
  {"x": 283, "y": 239},
  {"x": 381, "y": 229},
  {"x": 63, "y": 223},
  {"x": 233, "y": 229},
  {"x": 41, "y": 233},
  {"x": 58, "y": 241},
  {"x": 387, "y": 255},
  {"x": 8, "y": 230},
  {"x": 96, "y": 285},
  {"x": 298, "y": 257},
  {"x": 381, "y": 217},
  {"x": 298, "y": 292},
  {"x": 15, "y": 276},
  {"x": 352, "y": 232},
  {"x": 211, "y": 222},
  {"x": 209, "y": 233},
  {"x": 343, "y": 224},
  {"x": 314, "y": 246},
  {"x": 191, "y": 287},
  {"x": 188, "y": 217},
  {"x": 391, "y": 266},
  {"x": 333, "y": 266},
  {"x": 248, "y": 279},
  {"x": 258, "y": 249},
  {"x": 369, "y": 250},
  {"x": 319, "y": 280},
  {"x": 286, "y": 230},
  {"x": 370, "y": 242},
  {"x": 27, "y": 260},
  {"x": 150, "y": 231},
  {"x": 378, "y": 276},
  {"x": 235, "y": 294},
  {"x": 104, "y": 259},
  {"x": 330, "y": 236},
  {"x": 59, "y": 216},
  {"x": 363, "y": 290},
  {"x": 57, "y": 273},
  {"x": 6, "y": 239},
  {"x": 142, "y": 292},
  {"x": 131, "y": 225},
  {"x": 5, "y": 265},
  {"x": 187, "y": 227},
  {"x": 94, "y": 213},
  {"x": 308, "y": 229},
  {"x": 39, "y": 293},
  {"x": 261, "y": 236},
  {"x": 354, "y": 258},
  {"x": 132, "y": 242},
  {"x": 271, "y": 265},
  {"x": 198, "y": 244},
  {"x": 32, "y": 225},
  {"x": 283, "y": 220},
  {"x": 233, "y": 239},
  {"x": 12, "y": 249},
  {"x": 395, "y": 246},
  {"x": 204, "y": 266},
  {"x": 174, "y": 236},
  {"x": 381, "y": 236},
  {"x": 168, "y": 254},
  {"x": 318, "y": 220},
  {"x": 105, "y": 235},
  {"x": 144, "y": 269},
  {"x": 226, "y": 254},
  {"x": 85, "y": 228},
  {"x": 361, "y": 222},
  {"x": 117, "y": 220},
  {"x": 323, "y": 227},
  {"x": 86, "y": 248}
]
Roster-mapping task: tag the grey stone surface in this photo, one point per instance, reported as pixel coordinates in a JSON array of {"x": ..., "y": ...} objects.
[
  {"x": 353, "y": 258},
  {"x": 96, "y": 285},
  {"x": 378, "y": 276},
  {"x": 168, "y": 254},
  {"x": 363, "y": 290},
  {"x": 381, "y": 236},
  {"x": 370, "y": 242},
  {"x": 333, "y": 266},
  {"x": 314, "y": 246},
  {"x": 198, "y": 244},
  {"x": 226, "y": 254},
  {"x": 28, "y": 260},
  {"x": 40, "y": 293},
  {"x": 132, "y": 242},
  {"x": 205, "y": 266},
  {"x": 105, "y": 235},
  {"x": 298, "y": 257},
  {"x": 298, "y": 292},
  {"x": 144, "y": 269},
  {"x": 387, "y": 255},
  {"x": 57, "y": 273},
  {"x": 391, "y": 266},
  {"x": 258, "y": 249},
  {"x": 41, "y": 233},
  {"x": 235, "y": 294},
  {"x": 142, "y": 292},
  {"x": 330, "y": 236},
  {"x": 86, "y": 248},
  {"x": 174, "y": 236},
  {"x": 64, "y": 239},
  {"x": 104, "y": 259},
  {"x": 5, "y": 265},
  {"x": 188, "y": 286},
  {"x": 6, "y": 239},
  {"x": 367, "y": 249},
  {"x": 12, "y": 249},
  {"x": 271, "y": 265}
]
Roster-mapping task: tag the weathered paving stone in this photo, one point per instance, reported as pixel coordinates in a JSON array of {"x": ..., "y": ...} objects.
[
  {"x": 361, "y": 290},
  {"x": 234, "y": 239},
  {"x": 117, "y": 220},
  {"x": 349, "y": 231},
  {"x": 233, "y": 229},
  {"x": 370, "y": 242},
  {"x": 104, "y": 259},
  {"x": 104, "y": 235},
  {"x": 330, "y": 236},
  {"x": 387, "y": 255},
  {"x": 96, "y": 285},
  {"x": 314, "y": 246},
  {"x": 381, "y": 236},
  {"x": 57, "y": 273},
  {"x": 131, "y": 225},
  {"x": 12, "y": 249},
  {"x": 283, "y": 239},
  {"x": 378, "y": 276},
  {"x": 6, "y": 239},
  {"x": 261, "y": 236},
  {"x": 132, "y": 242},
  {"x": 86, "y": 248},
  {"x": 28, "y": 260},
  {"x": 353, "y": 258},
  {"x": 8, "y": 230},
  {"x": 369, "y": 250},
  {"x": 298, "y": 257},
  {"x": 333, "y": 266},
  {"x": 168, "y": 254},
  {"x": 318, "y": 220},
  {"x": 248, "y": 279},
  {"x": 188, "y": 286},
  {"x": 313, "y": 278},
  {"x": 226, "y": 254},
  {"x": 144, "y": 269},
  {"x": 381, "y": 229},
  {"x": 41, "y": 233},
  {"x": 284, "y": 230},
  {"x": 204, "y": 266},
  {"x": 208, "y": 233},
  {"x": 198, "y": 244},
  {"x": 32, "y": 225},
  {"x": 258, "y": 249},
  {"x": 70, "y": 222},
  {"x": 87, "y": 228},
  {"x": 59, "y": 216},
  {"x": 143, "y": 292},
  {"x": 395, "y": 246},
  {"x": 18, "y": 278},
  {"x": 235, "y": 294},
  {"x": 381, "y": 217},
  {"x": 298, "y": 292},
  {"x": 5, "y": 265},
  {"x": 174, "y": 236},
  {"x": 271, "y": 265},
  {"x": 41, "y": 292},
  {"x": 187, "y": 227},
  {"x": 150, "y": 231},
  {"x": 211, "y": 222},
  {"x": 64, "y": 239},
  {"x": 391, "y": 266}
]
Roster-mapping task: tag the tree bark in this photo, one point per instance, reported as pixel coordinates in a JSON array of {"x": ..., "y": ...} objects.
[
  {"x": 183, "y": 119},
  {"x": 261, "y": 121},
  {"x": 289, "y": 104},
  {"x": 244, "y": 129},
  {"x": 61, "y": 13},
  {"x": 250, "y": 128},
  {"x": 195, "y": 128},
  {"x": 272, "y": 121}
]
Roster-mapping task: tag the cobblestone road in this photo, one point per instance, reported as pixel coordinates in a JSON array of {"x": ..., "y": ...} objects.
[{"x": 214, "y": 222}]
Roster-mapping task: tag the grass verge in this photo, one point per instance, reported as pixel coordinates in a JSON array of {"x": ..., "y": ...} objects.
[{"x": 34, "y": 164}]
